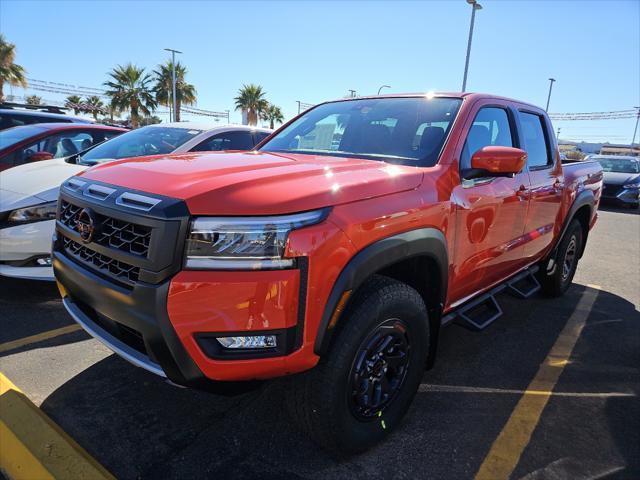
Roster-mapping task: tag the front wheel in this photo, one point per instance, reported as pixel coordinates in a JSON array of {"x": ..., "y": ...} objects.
[
  {"x": 364, "y": 385},
  {"x": 566, "y": 262}
]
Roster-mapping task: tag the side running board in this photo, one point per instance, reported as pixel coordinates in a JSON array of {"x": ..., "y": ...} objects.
[
  {"x": 478, "y": 313},
  {"x": 524, "y": 284}
]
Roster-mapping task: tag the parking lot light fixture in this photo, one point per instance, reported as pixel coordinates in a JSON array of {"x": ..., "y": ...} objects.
[
  {"x": 474, "y": 6},
  {"x": 173, "y": 80},
  {"x": 551, "y": 80},
  {"x": 383, "y": 86}
]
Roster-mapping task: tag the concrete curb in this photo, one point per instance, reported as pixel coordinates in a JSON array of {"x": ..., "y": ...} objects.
[{"x": 32, "y": 446}]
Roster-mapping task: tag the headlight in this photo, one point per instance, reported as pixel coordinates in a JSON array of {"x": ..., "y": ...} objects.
[
  {"x": 244, "y": 243},
  {"x": 633, "y": 186},
  {"x": 44, "y": 211}
]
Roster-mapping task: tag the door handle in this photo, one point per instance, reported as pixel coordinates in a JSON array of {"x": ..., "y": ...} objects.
[
  {"x": 557, "y": 186},
  {"x": 522, "y": 192}
]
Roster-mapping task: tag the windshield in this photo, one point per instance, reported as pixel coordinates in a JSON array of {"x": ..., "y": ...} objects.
[
  {"x": 18, "y": 134},
  {"x": 620, "y": 165},
  {"x": 143, "y": 141},
  {"x": 407, "y": 131}
]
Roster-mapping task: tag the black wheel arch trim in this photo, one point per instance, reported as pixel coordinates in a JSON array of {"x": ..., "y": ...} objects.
[
  {"x": 429, "y": 242},
  {"x": 584, "y": 198}
]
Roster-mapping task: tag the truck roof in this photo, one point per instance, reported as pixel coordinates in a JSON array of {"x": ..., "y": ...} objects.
[{"x": 470, "y": 95}]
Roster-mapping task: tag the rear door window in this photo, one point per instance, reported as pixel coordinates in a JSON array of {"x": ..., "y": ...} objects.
[
  {"x": 535, "y": 138},
  {"x": 259, "y": 136},
  {"x": 226, "y": 141}
]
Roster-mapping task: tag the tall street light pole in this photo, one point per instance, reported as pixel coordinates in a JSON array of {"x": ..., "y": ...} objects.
[
  {"x": 635, "y": 130},
  {"x": 551, "y": 80},
  {"x": 173, "y": 80},
  {"x": 383, "y": 86},
  {"x": 474, "y": 6}
]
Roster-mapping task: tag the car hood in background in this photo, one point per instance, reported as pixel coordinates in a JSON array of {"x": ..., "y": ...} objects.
[
  {"x": 34, "y": 183},
  {"x": 257, "y": 183},
  {"x": 619, "y": 178}
]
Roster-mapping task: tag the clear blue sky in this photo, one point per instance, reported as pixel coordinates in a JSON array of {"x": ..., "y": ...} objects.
[{"x": 313, "y": 51}]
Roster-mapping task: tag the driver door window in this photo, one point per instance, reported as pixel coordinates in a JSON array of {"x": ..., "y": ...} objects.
[{"x": 490, "y": 127}]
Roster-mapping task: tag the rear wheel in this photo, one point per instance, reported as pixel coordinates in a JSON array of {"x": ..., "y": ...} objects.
[
  {"x": 364, "y": 385},
  {"x": 566, "y": 262}
]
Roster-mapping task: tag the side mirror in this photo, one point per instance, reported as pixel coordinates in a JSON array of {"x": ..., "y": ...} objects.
[
  {"x": 496, "y": 161},
  {"x": 38, "y": 156}
]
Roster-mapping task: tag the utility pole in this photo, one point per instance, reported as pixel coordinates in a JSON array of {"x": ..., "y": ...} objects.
[
  {"x": 558, "y": 134},
  {"x": 298, "y": 101},
  {"x": 474, "y": 6},
  {"x": 173, "y": 81},
  {"x": 635, "y": 130},
  {"x": 353, "y": 93},
  {"x": 551, "y": 80}
]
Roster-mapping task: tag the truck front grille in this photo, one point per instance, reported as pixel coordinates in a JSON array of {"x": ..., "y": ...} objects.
[
  {"x": 120, "y": 270},
  {"x": 114, "y": 233},
  {"x": 120, "y": 234}
]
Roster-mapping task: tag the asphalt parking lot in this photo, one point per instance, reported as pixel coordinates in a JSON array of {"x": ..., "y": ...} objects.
[{"x": 477, "y": 405}]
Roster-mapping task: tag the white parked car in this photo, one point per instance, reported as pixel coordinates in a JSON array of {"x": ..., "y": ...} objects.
[{"x": 28, "y": 193}]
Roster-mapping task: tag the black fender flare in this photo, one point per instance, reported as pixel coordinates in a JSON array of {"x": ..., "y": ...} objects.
[
  {"x": 584, "y": 198},
  {"x": 429, "y": 242}
]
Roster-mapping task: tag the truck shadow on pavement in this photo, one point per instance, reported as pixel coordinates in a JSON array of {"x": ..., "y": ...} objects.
[
  {"x": 138, "y": 426},
  {"x": 29, "y": 308}
]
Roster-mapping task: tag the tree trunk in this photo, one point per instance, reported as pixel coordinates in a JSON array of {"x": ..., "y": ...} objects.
[
  {"x": 134, "y": 115},
  {"x": 1, "y": 90},
  {"x": 177, "y": 116},
  {"x": 252, "y": 117},
  {"x": 271, "y": 122}
]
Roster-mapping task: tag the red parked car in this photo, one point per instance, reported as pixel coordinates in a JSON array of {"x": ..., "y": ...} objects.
[
  {"x": 335, "y": 251},
  {"x": 44, "y": 141}
]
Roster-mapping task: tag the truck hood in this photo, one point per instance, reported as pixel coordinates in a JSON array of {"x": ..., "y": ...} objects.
[
  {"x": 33, "y": 183},
  {"x": 620, "y": 178},
  {"x": 257, "y": 183}
]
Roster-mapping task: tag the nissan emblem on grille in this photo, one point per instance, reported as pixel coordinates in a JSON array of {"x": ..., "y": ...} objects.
[{"x": 86, "y": 225}]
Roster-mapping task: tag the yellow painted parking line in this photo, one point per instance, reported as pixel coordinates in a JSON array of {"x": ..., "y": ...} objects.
[
  {"x": 506, "y": 450},
  {"x": 21, "y": 342},
  {"x": 429, "y": 387},
  {"x": 32, "y": 446}
]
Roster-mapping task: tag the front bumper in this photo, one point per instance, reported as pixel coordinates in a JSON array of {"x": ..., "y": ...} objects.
[
  {"x": 169, "y": 329},
  {"x": 21, "y": 245}
]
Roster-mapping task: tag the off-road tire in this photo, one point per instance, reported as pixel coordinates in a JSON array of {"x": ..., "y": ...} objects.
[
  {"x": 322, "y": 400},
  {"x": 559, "y": 281}
]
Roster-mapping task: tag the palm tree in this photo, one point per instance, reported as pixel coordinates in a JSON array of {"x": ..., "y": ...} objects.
[
  {"x": 74, "y": 102},
  {"x": 94, "y": 105},
  {"x": 251, "y": 99},
  {"x": 129, "y": 89},
  {"x": 185, "y": 92},
  {"x": 10, "y": 72},
  {"x": 273, "y": 115},
  {"x": 33, "y": 100}
]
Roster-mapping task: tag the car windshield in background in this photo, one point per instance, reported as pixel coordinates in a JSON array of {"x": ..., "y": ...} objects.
[
  {"x": 406, "y": 131},
  {"x": 619, "y": 165},
  {"x": 14, "y": 135},
  {"x": 144, "y": 141}
]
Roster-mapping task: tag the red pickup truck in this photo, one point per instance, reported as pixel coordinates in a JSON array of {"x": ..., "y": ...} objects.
[{"x": 334, "y": 252}]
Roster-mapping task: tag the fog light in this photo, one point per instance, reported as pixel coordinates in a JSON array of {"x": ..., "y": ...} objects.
[
  {"x": 44, "y": 262},
  {"x": 254, "y": 341}
]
